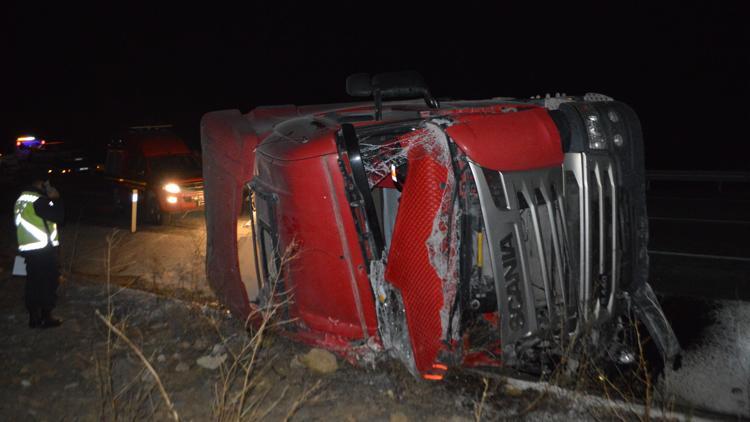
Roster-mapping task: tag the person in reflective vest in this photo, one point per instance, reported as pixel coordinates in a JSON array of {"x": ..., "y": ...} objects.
[{"x": 37, "y": 213}]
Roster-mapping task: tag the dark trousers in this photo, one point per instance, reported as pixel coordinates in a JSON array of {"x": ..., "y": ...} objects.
[{"x": 42, "y": 279}]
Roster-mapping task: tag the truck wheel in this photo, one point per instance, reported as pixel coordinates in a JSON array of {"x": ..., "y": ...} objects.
[
  {"x": 153, "y": 213},
  {"x": 165, "y": 218},
  {"x": 117, "y": 201}
]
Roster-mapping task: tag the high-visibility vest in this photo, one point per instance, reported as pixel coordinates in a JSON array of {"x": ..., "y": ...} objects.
[{"x": 31, "y": 230}]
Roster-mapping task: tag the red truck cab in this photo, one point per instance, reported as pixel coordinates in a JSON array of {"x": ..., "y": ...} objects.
[{"x": 159, "y": 164}]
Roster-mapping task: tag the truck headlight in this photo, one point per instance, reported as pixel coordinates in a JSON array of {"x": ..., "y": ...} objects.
[
  {"x": 595, "y": 133},
  {"x": 172, "y": 188}
]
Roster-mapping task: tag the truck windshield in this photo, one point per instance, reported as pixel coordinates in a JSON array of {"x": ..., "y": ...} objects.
[{"x": 183, "y": 165}]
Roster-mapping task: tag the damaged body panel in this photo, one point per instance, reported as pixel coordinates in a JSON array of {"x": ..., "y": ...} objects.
[{"x": 495, "y": 232}]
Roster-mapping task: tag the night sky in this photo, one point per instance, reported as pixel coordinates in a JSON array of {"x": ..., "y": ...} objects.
[{"x": 80, "y": 74}]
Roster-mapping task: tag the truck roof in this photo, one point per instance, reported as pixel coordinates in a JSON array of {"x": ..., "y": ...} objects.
[{"x": 153, "y": 143}]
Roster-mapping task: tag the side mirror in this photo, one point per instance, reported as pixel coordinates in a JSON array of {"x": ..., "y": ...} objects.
[
  {"x": 359, "y": 85},
  {"x": 408, "y": 84}
]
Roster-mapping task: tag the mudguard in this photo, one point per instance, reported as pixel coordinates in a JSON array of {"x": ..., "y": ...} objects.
[{"x": 228, "y": 143}]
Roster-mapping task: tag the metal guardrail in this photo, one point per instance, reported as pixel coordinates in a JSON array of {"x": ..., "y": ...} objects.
[
  {"x": 698, "y": 176},
  {"x": 718, "y": 177}
]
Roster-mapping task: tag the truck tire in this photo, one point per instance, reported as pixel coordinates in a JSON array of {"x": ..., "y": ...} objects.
[{"x": 152, "y": 211}]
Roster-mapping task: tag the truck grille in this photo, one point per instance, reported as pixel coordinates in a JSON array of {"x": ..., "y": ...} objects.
[
  {"x": 553, "y": 246},
  {"x": 192, "y": 186},
  {"x": 592, "y": 202}
]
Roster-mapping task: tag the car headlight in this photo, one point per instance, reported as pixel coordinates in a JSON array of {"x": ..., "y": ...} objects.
[
  {"x": 172, "y": 188},
  {"x": 595, "y": 133}
]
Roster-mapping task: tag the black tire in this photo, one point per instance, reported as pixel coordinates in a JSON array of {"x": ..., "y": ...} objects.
[
  {"x": 117, "y": 200},
  {"x": 152, "y": 211},
  {"x": 166, "y": 218}
]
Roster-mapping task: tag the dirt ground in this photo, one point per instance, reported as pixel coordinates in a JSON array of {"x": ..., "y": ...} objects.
[
  {"x": 158, "y": 299},
  {"x": 81, "y": 371}
]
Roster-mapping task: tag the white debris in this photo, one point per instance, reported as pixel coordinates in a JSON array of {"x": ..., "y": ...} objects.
[
  {"x": 25, "y": 383},
  {"x": 716, "y": 375}
]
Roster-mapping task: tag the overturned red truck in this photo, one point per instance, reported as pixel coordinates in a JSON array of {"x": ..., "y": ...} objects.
[{"x": 499, "y": 232}]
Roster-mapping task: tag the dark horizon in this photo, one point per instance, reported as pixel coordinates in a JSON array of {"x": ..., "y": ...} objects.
[{"x": 80, "y": 75}]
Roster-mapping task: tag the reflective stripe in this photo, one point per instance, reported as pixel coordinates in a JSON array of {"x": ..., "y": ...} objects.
[
  {"x": 32, "y": 246},
  {"x": 33, "y": 231},
  {"x": 26, "y": 197},
  {"x": 53, "y": 236},
  {"x": 40, "y": 236}
]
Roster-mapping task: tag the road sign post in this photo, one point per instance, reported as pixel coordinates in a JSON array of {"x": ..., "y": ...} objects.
[{"x": 134, "y": 210}]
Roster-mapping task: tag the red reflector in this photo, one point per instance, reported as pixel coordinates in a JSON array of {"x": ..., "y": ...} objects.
[
  {"x": 432, "y": 377},
  {"x": 440, "y": 366}
]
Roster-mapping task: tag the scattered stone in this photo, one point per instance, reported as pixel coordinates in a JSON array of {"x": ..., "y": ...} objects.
[
  {"x": 513, "y": 391},
  {"x": 161, "y": 358},
  {"x": 391, "y": 394},
  {"x": 182, "y": 367},
  {"x": 184, "y": 345},
  {"x": 218, "y": 349},
  {"x": 73, "y": 325},
  {"x": 295, "y": 363},
  {"x": 398, "y": 417},
  {"x": 24, "y": 369},
  {"x": 176, "y": 356},
  {"x": 320, "y": 361},
  {"x": 25, "y": 383},
  {"x": 70, "y": 386},
  {"x": 210, "y": 361},
  {"x": 200, "y": 344},
  {"x": 158, "y": 326}
]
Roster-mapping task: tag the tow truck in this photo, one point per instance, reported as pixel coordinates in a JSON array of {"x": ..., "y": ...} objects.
[
  {"x": 500, "y": 232},
  {"x": 158, "y": 164}
]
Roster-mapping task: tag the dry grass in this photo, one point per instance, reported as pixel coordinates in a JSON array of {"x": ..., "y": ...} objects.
[{"x": 242, "y": 394}]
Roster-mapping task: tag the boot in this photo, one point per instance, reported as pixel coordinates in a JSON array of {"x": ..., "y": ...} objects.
[
  {"x": 48, "y": 321},
  {"x": 35, "y": 318}
]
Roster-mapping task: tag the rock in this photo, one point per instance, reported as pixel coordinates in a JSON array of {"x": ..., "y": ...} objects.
[
  {"x": 391, "y": 394},
  {"x": 295, "y": 363},
  {"x": 210, "y": 361},
  {"x": 513, "y": 391},
  {"x": 24, "y": 369},
  {"x": 70, "y": 386},
  {"x": 25, "y": 383},
  {"x": 161, "y": 358},
  {"x": 320, "y": 361},
  {"x": 182, "y": 367},
  {"x": 176, "y": 356},
  {"x": 218, "y": 349},
  {"x": 158, "y": 326},
  {"x": 200, "y": 344},
  {"x": 184, "y": 345},
  {"x": 398, "y": 417}
]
